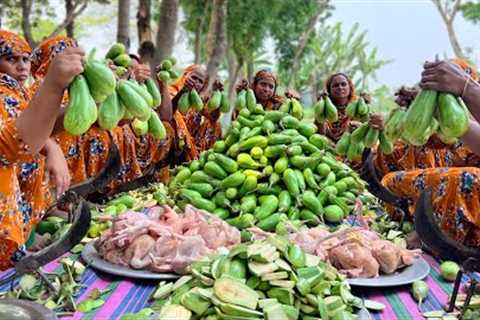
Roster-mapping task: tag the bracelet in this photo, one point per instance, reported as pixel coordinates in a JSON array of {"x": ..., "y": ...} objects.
[{"x": 465, "y": 86}]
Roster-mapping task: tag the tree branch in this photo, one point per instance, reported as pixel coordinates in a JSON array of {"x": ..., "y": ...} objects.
[
  {"x": 69, "y": 18},
  {"x": 304, "y": 38},
  {"x": 26, "y": 26},
  {"x": 440, "y": 10},
  {"x": 448, "y": 20},
  {"x": 456, "y": 8}
]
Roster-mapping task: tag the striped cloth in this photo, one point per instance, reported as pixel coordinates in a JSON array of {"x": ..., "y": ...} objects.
[{"x": 128, "y": 296}]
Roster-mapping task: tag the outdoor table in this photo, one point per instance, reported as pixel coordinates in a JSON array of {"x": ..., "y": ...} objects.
[{"x": 131, "y": 295}]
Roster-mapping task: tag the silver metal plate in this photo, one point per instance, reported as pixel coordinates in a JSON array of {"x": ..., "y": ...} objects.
[
  {"x": 417, "y": 271},
  {"x": 91, "y": 257},
  {"x": 16, "y": 309}
]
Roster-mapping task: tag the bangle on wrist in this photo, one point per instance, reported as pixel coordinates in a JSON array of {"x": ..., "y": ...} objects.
[{"x": 467, "y": 81}]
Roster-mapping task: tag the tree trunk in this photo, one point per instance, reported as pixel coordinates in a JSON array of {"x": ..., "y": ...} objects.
[
  {"x": 452, "y": 36},
  {"x": 314, "y": 88},
  {"x": 303, "y": 42},
  {"x": 448, "y": 18},
  {"x": 143, "y": 21},
  {"x": 216, "y": 39},
  {"x": 26, "y": 25},
  {"x": 123, "y": 30},
  {"x": 197, "y": 45},
  {"x": 250, "y": 71},
  {"x": 2, "y": 11},
  {"x": 69, "y": 11},
  {"x": 234, "y": 67},
  {"x": 167, "y": 25}
]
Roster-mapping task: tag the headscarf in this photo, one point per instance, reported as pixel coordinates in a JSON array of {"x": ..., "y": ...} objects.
[
  {"x": 175, "y": 88},
  {"x": 12, "y": 43},
  {"x": 328, "y": 84},
  {"x": 467, "y": 68},
  {"x": 46, "y": 51},
  {"x": 264, "y": 74}
]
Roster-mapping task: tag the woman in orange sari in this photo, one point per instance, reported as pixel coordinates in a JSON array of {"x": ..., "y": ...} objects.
[
  {"x": 455, "y": 190},
  {"x": 87, "y": 154},
  {"x": 264, "y": 86},
  {"x": 434, "y": 154},
  {"x": 341, "y": 91},
  {"x": 74, "y": 150},
  {"x": 210, "y": 128},
  {"x": 194, "y": 77},
  {"x": 25, "y": 126}
]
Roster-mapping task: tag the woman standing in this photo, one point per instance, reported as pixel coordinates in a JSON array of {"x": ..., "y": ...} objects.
[{"x": 26, "y": 125}]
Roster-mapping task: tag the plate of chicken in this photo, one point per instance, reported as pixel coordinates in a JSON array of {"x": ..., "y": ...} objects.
[
  {"x": 362, "y": 255},
  {"x": 158, "y": 243}
]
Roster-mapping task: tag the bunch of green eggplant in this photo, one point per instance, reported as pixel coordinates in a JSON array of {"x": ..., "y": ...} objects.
[
  {"x": 271, "y": 279},
  {"x": 66, "y": 284},
  {"x": 353, "y": 144},
  {"x": 218, "y": 100},
  {"x": 439, "y": 113},
  {"x": 166, "y": 72},
  {"x": 325, "y": 110},
  {"x": 270, "y": 167},
  {"x": 358, "y": 110}
]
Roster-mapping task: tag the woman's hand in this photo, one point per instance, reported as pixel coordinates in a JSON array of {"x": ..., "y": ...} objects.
[
  {"x": 40, "y": 242},
  {"x": 57, "y": 167},
  {"x": 242, "y": 85},
  {"x": 291, "y": 93},
  {"x": 217, "y": 85},
  {"x": 354, "y": 125},
  {"x": 366, "y": 97},
  {"x": 376, "y": 121},
  {"x": 189, "y": 84},
  {"x": 142, "y": 72},
  {"x": 64, "y": 67},
  {"x": 444, "y": 76}
]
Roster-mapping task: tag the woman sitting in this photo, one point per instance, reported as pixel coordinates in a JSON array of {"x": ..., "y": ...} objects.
[
  {"x": 341, "y": 92},
  {"x": 456, "y": 190},
  {"x": 27, "y": 123}
]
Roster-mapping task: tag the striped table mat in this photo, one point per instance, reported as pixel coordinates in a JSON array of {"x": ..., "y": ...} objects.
[{"x": 128, "y": 296}]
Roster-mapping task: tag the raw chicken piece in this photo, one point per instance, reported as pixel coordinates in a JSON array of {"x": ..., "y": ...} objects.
[
  {"x": 355, "y": 251},
  {"x": 138, "y": 252},
  {"x": 354, "y": 260},
  {"x": 162, "y": 240},
  {"x": 409, "y": 256},
  {"x": 387, "y": 254},
  {"x": 115, "y": 256},
  {"x": 189, "y": 250}
]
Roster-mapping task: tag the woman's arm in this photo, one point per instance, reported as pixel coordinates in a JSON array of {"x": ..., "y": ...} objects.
[
  {"x": 165, "y": 110},
  {"x": 472, "y": 137},
  {"x": 35, "y": 124},
  {"x": 445, "y": 76}
]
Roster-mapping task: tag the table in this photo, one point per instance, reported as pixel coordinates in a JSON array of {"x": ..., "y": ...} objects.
[{"x": 129, "y": 295}]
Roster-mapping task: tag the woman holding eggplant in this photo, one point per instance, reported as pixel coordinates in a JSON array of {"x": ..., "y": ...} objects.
[{"x": 27, "y": 124}]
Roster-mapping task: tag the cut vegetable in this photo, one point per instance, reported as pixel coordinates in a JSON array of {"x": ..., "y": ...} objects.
[{"x": 235, "y": 292}]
